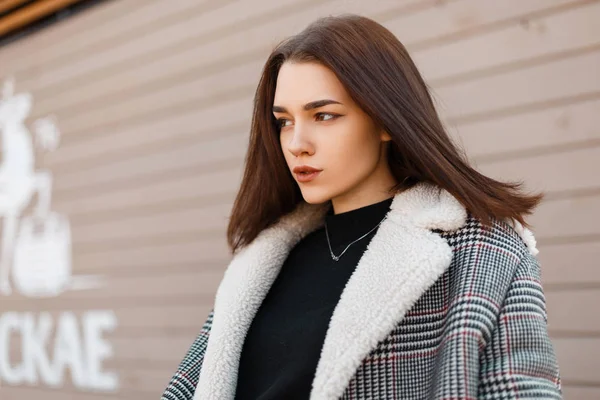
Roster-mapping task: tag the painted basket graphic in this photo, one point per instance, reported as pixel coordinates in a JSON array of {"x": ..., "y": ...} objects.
[{"x": 42, "y": 257}]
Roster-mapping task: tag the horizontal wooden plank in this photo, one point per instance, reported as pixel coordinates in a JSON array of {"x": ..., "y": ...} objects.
[
  {"x": 573, "y": 217},
  {"x": 570, "y": 311},
  {"x": 152, "y": 382},
  {"x": 453, "y": 21},
  {"x": 168, "y": 30},
  {"x": 22, "y": 53},
  {"x": 478, "y": 98},
  {"x": 140, "y": 287},
  {"x": 25, "y": 393},
  {"x": 525, "y": 39},
  {"x": 166, "y": 349},
  {"x": 563, "y": 171},
  {"x": 179, "y": 156},
  {"x": 184, "y": 185},
  {"x": 7, "y": 5},
  {"x": 204, "y": 89},
  {"x": 182, "y": 127},
  {"x": 525, "y": 134},
  {"x": 570, "y": 263},
  {"x": 581, "y": 392},
  {"x": 197, "y": 219},
  {"x": 149, "y": 254},
  {"x": 98, "y": 28},
  {"x": 151, "y": 319},
  {"x": 579, "y": 358},
  {"x": 21, "y": 17},
  {"x": 160, "y": 320}
]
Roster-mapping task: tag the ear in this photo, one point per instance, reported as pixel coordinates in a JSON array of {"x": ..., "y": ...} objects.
[{"x": 385, "y": 137}]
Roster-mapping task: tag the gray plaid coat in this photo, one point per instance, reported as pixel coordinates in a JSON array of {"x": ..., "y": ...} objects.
[{"x": 439, "y": 307}]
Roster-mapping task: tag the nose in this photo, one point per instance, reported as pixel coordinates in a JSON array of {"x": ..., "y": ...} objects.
[{"x": 300, "y": 142}]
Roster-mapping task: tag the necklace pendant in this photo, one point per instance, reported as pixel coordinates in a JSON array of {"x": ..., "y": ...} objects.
[{"x": 336, "y": 258}]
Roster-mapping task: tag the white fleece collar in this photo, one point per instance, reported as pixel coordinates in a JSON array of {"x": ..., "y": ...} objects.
[{"x": 401, "y": 262}]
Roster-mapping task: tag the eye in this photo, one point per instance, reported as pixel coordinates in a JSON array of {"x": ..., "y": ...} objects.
[
  {"x": 282, "y": 122},
  {"x": 325, "y": 116}
]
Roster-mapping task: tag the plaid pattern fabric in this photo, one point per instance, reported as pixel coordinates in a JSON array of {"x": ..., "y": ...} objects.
[
  {"x": 183, "y": 384},
  {"x": 478, "y": 333}
]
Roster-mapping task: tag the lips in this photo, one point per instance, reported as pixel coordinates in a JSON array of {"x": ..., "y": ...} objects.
[{"x": 306, "y": 173}]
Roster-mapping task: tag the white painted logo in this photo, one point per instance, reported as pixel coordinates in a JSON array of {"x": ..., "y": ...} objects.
[{"x": 35, "y": 262}]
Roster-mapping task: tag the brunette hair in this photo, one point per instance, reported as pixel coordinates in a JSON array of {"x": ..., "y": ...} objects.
[{"x": 379, "y": 75}]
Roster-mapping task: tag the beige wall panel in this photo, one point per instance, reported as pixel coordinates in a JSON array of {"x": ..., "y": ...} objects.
[
  {"x": 148, "y": 318},
  {"x": 581, "y": 393},
  {"x": 211, "y": 219},
  {"x": 453, "y": 20},
  {"x": 182, "y": 126},
  {"x": 557, "y": 79},
  {"x": 145, "y": 382},
  {"x": 206, "y": 89},
  {"x": 153, "y": 349},
  {"x": 561, "y": 307},
  {"x": 571, "y": 218},
  {"x": 191, "y": 27},
  {"x": 60, "y": 39},
  {"x": 580, "y": 358},
  {"x": 104, "y": 27},
  {"x": 165, "y": 318},
  {"x": 556, "y": 172},
  {"x": 22, "y": 393},
  {"x": 570, "y": 263},
  {"x": 525, "y": 39},
  {"x": 194, "y": 184},
  {"x": 180, "y": 285},
  {"x": 199, "y": 250},
  {"x": 521, "y": 134},
  {"x": 227, "y": 150}
]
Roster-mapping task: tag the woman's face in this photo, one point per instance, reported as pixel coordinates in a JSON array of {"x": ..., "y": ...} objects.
[{"x": 323, "y": 128}]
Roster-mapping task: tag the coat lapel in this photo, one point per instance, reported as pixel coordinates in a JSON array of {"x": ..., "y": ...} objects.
[
  {"x": 402, "y": 261},
  {"x": 244, "y": 286}
]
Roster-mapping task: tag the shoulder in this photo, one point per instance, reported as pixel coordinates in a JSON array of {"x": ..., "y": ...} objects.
[
  {"x": 508, "y": 240},
  {"x": 487, "y": 258}
]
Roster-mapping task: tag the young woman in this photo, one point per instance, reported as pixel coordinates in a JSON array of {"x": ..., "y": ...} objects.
[{"x": 370, "y": 261}]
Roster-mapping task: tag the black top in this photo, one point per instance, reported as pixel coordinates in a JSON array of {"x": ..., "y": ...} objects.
[{"x": 283, "y": 345}]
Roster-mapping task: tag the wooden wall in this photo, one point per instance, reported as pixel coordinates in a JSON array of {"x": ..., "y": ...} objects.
[{"x": 153, "y": 100}]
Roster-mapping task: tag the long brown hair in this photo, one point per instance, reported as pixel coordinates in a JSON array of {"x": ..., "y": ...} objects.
[{"x": 382, "y": 79}]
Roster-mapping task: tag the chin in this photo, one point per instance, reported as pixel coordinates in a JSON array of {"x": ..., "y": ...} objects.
[{"x": 315, "y": 196}]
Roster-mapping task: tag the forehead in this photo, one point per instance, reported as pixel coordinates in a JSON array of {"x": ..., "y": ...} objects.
[{"x": 300, "y": 83}]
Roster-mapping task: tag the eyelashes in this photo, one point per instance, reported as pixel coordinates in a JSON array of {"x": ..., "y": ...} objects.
[{"x": 319, "y": 117}]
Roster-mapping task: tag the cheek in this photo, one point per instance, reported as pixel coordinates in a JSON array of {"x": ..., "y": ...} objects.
[{"x": 355, "y": 149}]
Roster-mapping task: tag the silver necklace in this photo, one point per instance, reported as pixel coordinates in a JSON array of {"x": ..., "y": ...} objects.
[{"x": 336, "y": 258}]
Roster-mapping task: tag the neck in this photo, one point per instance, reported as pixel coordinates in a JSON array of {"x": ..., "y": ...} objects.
[{"x": 375, "y": 189}]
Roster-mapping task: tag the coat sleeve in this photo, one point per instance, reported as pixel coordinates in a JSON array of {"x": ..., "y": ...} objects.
[
  {"x": 519, "y": 362},
  {"x": 183, "y": 384}
]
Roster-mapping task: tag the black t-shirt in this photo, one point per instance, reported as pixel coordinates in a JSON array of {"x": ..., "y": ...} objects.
[{"x": 283, "y": 345}]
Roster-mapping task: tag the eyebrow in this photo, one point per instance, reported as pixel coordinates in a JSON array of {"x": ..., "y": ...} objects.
[{"x": 308, "y": 106}]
